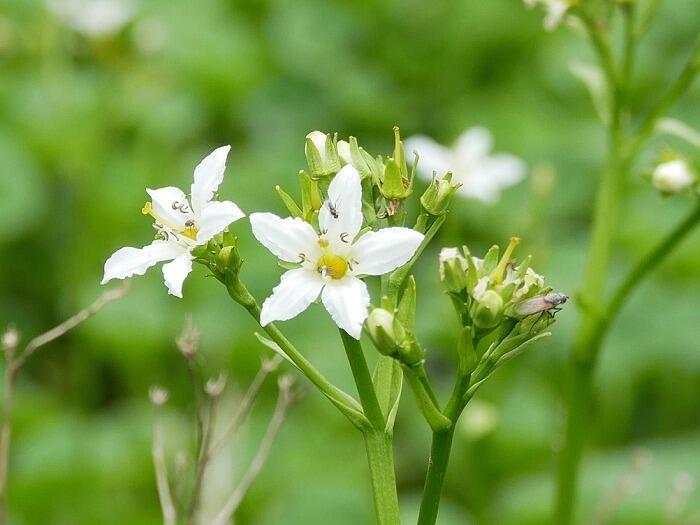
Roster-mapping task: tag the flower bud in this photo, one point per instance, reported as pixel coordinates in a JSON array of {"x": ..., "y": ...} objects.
[
  {"x": 158, "y": 395},
  {"x": 395, "y": 186},
  {"x": 436, "y": 199},
  {"x": 385, "y": 331},
  {"x": 673, "y": 176},
  {"x": 321, "y": 154},
  {"x": 215, "y": 386},
  {"x": 453, "y": 267},
  {"x": 10, "y": 339},
  {"x": 488, "y": 310}
]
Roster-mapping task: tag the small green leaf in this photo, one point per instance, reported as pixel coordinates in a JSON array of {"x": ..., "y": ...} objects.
[
  {"x": 289, "y": 202},
  {"x": 388, "y": 380}
]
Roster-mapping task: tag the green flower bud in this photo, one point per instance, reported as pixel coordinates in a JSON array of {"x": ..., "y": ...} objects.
[
  {"x": 453, "y": 267},
  {"x": 488, "y": 310},
  {"x": 385, "y": 331},
  {"x": 321, "y": 154},
  {"x": 311, "y": 200},
  {"x": 436, "y": 199},
  {"x": 394, "y": 185}
]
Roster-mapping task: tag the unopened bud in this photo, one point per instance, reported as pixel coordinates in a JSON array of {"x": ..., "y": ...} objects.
[
  {"x": 410, "y": 352},
  {"x": 10, "y": 339},
  {"x": 436, "y": 199},
  {"x": 158, "y": 395},
  {"x": 215, "y": 386},
  {"x": 321, "y": 154},
  {"x": 385, "y": 331},
  {"x": 453, "y": 267},
  {"x": 395, "y": 186},
  {"x": 489, "y": 309},
  {"x": 673, "y": 176}
]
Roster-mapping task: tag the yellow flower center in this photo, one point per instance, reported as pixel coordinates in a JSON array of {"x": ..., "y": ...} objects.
[
  {"x": 190, "y": 230},
  {"x": 332, "y": 266}
]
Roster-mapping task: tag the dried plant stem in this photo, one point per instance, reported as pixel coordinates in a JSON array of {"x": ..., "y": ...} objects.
[
  {"x": 166, "y": 501},
  {"x": 284, "y": 400},
  {"x": 14, "y": 363},
  {"x": 268, "y": 366}
]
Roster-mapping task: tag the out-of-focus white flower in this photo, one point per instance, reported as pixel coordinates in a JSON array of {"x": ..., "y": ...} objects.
[
  {"x": 482, "y": 175},
  {"x": 182, "y": 226},
  {"x": 555, "y": 11},
  {"x": 673, "y": 176},
  {"x": 330, "y": 263},
  {"x": 94, "y": 18}
]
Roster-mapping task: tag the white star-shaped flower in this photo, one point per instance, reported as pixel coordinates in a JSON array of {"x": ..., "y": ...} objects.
[
  {"x": 182, "y": 225},
  {"x": 673, "y": 176},
  {"x": 482, "y": 175},
  {"x": 332, "y": 262}
]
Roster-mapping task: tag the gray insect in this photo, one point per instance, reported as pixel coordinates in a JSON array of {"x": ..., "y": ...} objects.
[{"x": 542, "y": 303}]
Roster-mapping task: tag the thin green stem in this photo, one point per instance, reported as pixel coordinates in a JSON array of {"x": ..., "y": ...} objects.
[
  {"x": 380, "y": 457},
  {"x": 594, "y": 320},
  {"x": 428, "y": 408},
  {"x": 342, "y": 400},
  {"x": 650, "y": 261},
  {"x": 363, "y": 380}
]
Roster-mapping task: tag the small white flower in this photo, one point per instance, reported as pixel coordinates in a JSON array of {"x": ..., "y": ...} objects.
[
  {"x": 673, "y": 176},
  {"x": 555, "y": 11},
  {"x": 332, "y": 262},
  {"x": 94, "y": 18},
  {"x": 182, "y": 225},
  {"x": 482, "y": 175}
]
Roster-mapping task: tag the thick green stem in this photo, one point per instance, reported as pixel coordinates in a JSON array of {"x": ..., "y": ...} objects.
[
  {"x": 363, "y": 381},
  {"x": 380, "y": 457},
  {"x": 440, "y": 449}
]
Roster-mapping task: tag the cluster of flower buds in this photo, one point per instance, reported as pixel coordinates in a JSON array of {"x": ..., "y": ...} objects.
[
  {"x": 496, "y": 292},
  {"x": 391, "y": 177},
  {"x": 673, "y": 174}
]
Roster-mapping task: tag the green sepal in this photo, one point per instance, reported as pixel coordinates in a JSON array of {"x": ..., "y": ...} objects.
[
  {"x": 388, "y": 381},
  {"x": 289, "y": 203},
  {"x": 491, "y": 260}
]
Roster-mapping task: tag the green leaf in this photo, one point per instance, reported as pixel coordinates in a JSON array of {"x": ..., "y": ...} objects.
[
  {"x": 407, "y": 304},
  {"x": 388, "y": 380},
  {"x": 594, "y": 80}
]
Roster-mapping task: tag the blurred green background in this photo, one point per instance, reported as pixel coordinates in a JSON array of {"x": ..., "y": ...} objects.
[{"x": 87, "y": 123}]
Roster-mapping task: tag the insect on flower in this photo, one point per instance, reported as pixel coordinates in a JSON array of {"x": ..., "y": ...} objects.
[{"x": 542, "y": 303}]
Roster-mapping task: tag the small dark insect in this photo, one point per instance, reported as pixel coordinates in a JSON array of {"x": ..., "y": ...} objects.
[
  {"x": 542, "y": 303},
  {"x": 331, "y": 208}
]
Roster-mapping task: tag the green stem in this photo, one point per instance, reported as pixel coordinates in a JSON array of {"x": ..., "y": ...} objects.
[
  {"x": 380, "y": 457},
  {"x": 345, "y": 402},
  {"x": 427, "y": 405},
  {"x": 363, "y": 381},
  {"x": 649, "y": 262},
  {"x": 440, "y": 449}
]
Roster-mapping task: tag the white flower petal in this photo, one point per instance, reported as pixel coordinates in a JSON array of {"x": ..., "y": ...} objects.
[
  {"x": 129, "y": 261},
  {"x": 215, "y": 217},
  {"x": 380, "y": 252},
  {"x": 287, "y": 238},
  {"x": 473, "y": 144},
  {"x": 343, "y": 149},
  {"x": 341, "y": 215},
  {"x": 174, "y": 273},
  {"x": 556, "y": 11},
  {"x": 347, "y": 300},
  {"x": 432, "y": 157},
  {"x": 504, "y": 169},
  {"x": 208, "y": 176},
  {"x": 296, "y": 291},
  {"x": 170, "y": 207}
]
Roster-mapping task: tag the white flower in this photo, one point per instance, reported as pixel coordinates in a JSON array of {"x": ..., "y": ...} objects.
[
  {"x": 331, "y": 262},
  {"x": 555, "y": 11},
  {"x": 481, "y": 174},
  {"x": 182, "y": 226},
  {"x": 673, "y": 176},
  {"x": 94, "y": 18}
]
